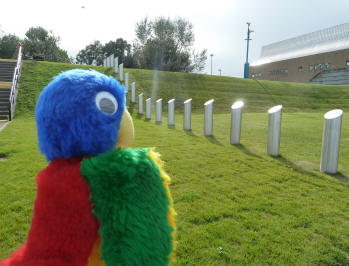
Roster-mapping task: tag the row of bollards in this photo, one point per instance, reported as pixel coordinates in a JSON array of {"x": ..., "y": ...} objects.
[
  {"x": 331, "y": 133},
  {"x": 331, "y": 130},
  {"x": 112, "y": 61}
]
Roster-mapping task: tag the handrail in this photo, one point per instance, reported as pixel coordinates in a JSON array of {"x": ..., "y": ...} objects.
[{"x": 16, "y": 75}]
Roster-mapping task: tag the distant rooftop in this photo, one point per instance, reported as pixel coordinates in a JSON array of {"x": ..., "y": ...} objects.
[{"x": 322, "y": 41}]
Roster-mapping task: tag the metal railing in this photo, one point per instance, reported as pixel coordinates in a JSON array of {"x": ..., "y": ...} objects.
[{"x": 15, "y": 79}]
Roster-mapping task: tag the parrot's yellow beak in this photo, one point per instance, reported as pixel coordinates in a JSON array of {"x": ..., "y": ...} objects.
[{"x": 126, "y": 132}]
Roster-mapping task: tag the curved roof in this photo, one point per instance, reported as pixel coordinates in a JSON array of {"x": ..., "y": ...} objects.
[{"x": 322, "y": 41}]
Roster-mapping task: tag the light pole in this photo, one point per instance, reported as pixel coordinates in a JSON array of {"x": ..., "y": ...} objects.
[
  {"x": 220, "y": 72},
  {"x": 211, "y": 63},
  {"x": 247, "y": 65}
]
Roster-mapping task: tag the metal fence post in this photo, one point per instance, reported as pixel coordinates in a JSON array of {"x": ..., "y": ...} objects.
[
  {"x": 187, "y": 115},
  {"x": 330, "y": 141},
  {"x": 140, "y": 104},
  {"x": 208, "y": 127},
  {"x": 236, "y": 117},
  {"x": 171, "y": 106},
  {"x": 148, "y": 108},
  {"x": 274, "y": 130}
]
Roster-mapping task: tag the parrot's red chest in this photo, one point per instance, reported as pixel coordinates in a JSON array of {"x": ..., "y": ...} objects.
[{"x": 63, "y": 228}]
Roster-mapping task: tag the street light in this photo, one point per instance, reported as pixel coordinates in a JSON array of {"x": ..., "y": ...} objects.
[
  {"x": 220, "y": 72},
  {"x": 211, "y": 63},
  {"x": 247, "y": 65}
]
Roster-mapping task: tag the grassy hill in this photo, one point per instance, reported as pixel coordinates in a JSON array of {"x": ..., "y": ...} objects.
[
  {"x": 235, "y": 204},
  {"x": 257, "y": 95}
]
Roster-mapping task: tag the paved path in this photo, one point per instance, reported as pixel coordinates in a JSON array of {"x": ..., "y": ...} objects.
[{"x": 3, "y": 124}]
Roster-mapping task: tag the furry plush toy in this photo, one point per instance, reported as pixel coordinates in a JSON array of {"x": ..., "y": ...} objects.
[{"x": 95, "y": 204}]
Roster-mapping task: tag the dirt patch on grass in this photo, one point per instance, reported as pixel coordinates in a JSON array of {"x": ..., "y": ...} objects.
[{"x": 3, "y": 157}]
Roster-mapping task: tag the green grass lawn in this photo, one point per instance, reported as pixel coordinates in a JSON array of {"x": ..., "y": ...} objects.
[
  {"x": 235, "y": 204},
  {"x": 258, "y": 209}
]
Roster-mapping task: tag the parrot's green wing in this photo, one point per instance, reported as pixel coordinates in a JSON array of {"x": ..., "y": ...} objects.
[{"x": 132, "y": 203}]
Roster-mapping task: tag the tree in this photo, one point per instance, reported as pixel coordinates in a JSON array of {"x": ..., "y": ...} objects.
[
  {"x": 8, "y": 46},
  {"x": 96, "y": 51},
  {"x": 166, "y": 44},
  {"x": 93, "y": 51},
  {"x": 121, "y": 49},
  {"x": 42, "y": 44}
]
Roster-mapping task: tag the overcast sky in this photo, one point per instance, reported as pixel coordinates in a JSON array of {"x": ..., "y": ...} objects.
[{"x": 220, "y": 25}]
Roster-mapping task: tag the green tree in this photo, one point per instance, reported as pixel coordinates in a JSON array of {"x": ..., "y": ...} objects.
[
  {"x": 96, "y": 51},
  {"x": 93, "y": 51},
  {"x": 8, "y": 46},
  {"x": 42, "y": 44},
  {"x": 121, "y": 49},
  {"x": 166, "y": 44}
]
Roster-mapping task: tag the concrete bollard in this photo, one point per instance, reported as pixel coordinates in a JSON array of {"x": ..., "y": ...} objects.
[
  {"x": 108, "y": 61},
  {"x": 148, "y": 108},
  {"x": 112, "y": 60},
  {"x": 126, "y": 80},
  {"x": 235, "y": 129},
  {"x": 187, "y": 115},
  {"x": 274, "y": 130},
  {"x": 171, "y": 106},
  {"x": 133, "y": 92},
  {"x": 208, "y": 127},
  {"x": 330, "y": 141},
  {"x": 140, "y": 104},
  {"x": 116, "y": 65},
  {"x": 158, "y": 111},
  {"x": 121, "y": 72}
]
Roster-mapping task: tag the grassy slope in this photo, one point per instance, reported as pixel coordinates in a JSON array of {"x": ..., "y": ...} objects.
[
  {"x": 258, "y": 209},
  {"x": 225, "y": 90},
  {"x": 258, "y": 96}
]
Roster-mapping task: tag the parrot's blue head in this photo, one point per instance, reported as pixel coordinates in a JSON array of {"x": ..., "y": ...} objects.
[{"x": 79, "y": 114}]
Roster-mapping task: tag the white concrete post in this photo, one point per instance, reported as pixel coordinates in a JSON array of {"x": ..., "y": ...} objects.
[
  {"x": 116, "y": 64},
  {"x": 105, "y": 62},
  {"x": 140, "y": 104},
  {"x": 121, "y": 72},
  {"x": 126, "y": 80},
  {"x": 108, "y": 61},
  {"x": 148, "y": 108},
  {"x": 274, "y": 130},
  {"x": 208, "y": 128},
  {"x": 133, "y": 92},
  {"x": 187, "y": 115},
  {"x": 170, "y": 111},
  {"x": 159, "y": 111},
  {"x": 330, "y": 141},
  {"x": 112, "y": 60},
  {"x": 235, "y": 129}
]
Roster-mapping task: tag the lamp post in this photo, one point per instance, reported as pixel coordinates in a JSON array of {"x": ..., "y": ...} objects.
[
  {"x": 247, "y": 65},
  {"x": 211, "y": 63}
]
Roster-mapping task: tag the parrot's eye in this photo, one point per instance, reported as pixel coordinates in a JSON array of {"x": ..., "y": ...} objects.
[{"x": 106, "y": 102}]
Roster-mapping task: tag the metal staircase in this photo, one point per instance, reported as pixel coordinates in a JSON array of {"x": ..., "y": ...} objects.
[
  {"x": 10, "y": 71},
  {"x": 6, "y": 75}
]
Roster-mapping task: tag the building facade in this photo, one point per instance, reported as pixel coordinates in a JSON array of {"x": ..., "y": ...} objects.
[{"x": 312, "y": 57}]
